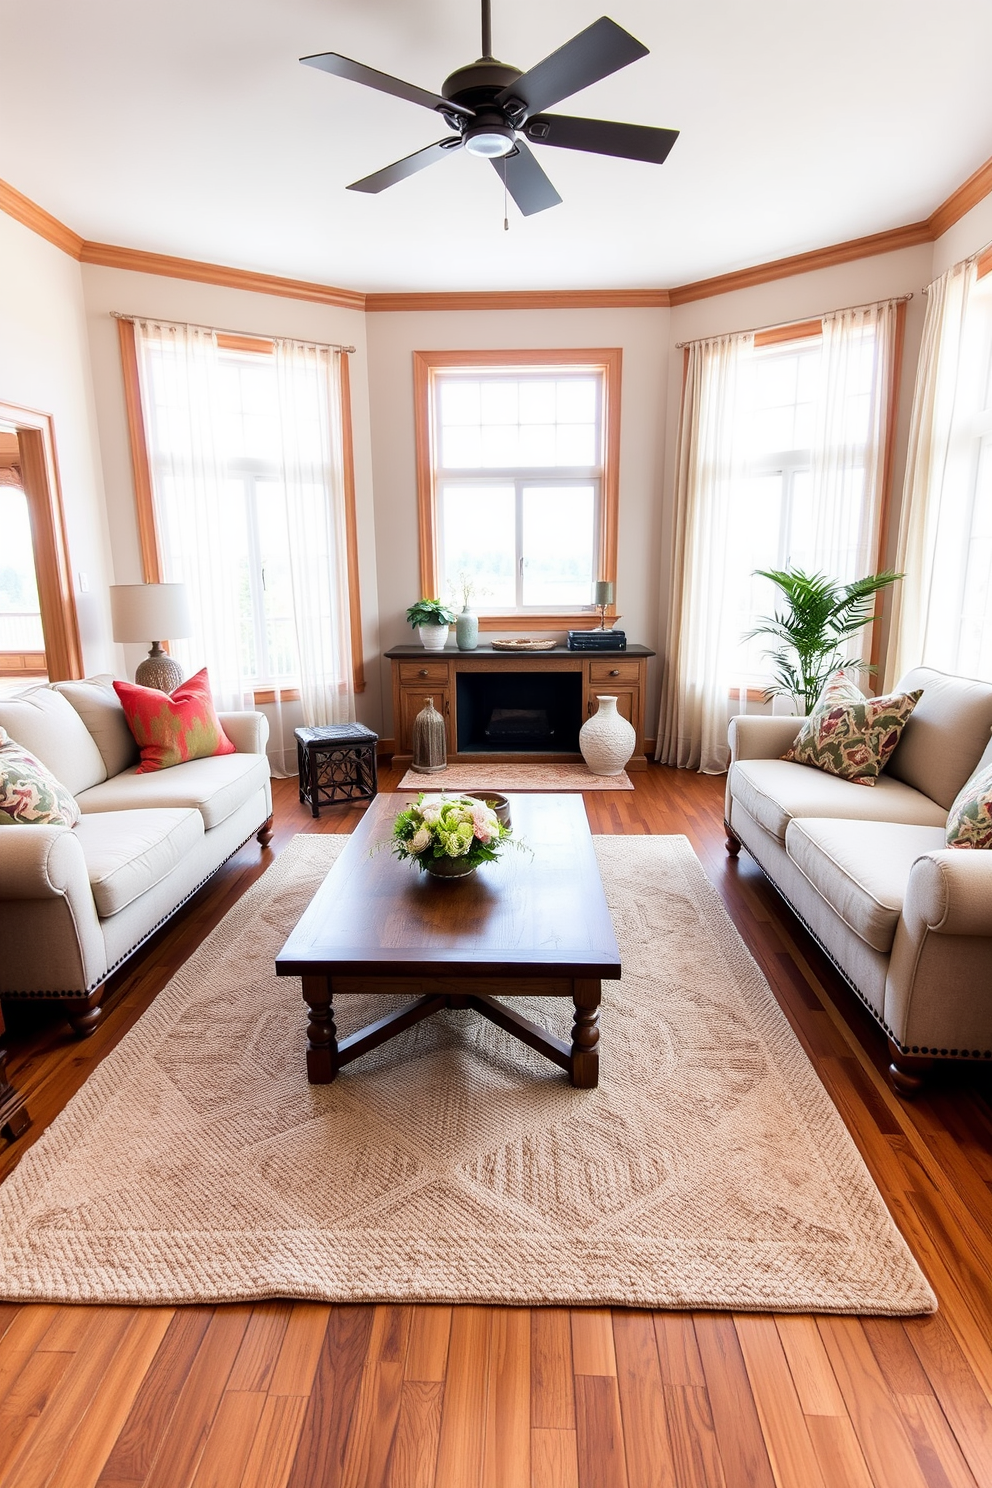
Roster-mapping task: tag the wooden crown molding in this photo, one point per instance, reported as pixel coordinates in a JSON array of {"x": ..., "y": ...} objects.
[
  {"x": 140, "y": 262},
  {"x": 966, "y": 196},
  {"x": 25, "y": 211}
]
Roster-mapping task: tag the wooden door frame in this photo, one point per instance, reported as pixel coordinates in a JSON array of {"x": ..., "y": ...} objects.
[{"x": 41, "y": 485}]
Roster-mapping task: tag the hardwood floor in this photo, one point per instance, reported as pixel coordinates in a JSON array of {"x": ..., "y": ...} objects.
[{"x": 290, "y": 1395}]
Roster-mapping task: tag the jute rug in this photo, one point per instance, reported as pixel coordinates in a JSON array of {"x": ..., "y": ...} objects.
[
  {"x": 709, "y": 1169},
  {"x": 515, "y": 778}
]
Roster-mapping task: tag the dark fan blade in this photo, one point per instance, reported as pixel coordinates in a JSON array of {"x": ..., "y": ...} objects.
[
  {"x": 602, "y": 137},
  {"x": 359, "y": 73},
  {"x": 409, "y": 166},
  {"x": 600, "y": 49},
  {"x": 526, "y": 181}
]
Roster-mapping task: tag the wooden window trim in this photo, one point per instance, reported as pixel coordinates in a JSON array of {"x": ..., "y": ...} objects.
[
  {"x": 984, "y": 264},
  {"x": 40, "y": 483},
  {"x": 800, "y": 330},
  {"x": 609, "y": 360},
  {"x": 151, "y": 564}
]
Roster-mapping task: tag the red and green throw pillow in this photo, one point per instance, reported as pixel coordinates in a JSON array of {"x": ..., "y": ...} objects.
[
  {"x": 172, "y": 727},
  {"x": 29, "y": 793},
  {"x": 969, "y": 822},
  {"x": 850, "y": 735}
]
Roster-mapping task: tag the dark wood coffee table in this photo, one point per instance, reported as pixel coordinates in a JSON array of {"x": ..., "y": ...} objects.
[{"x": 535, "y": 924}]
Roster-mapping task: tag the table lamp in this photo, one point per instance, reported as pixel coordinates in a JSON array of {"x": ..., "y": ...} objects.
[
  {"x": 604, "y": 597},
  {"x": 140, "y": 612}
]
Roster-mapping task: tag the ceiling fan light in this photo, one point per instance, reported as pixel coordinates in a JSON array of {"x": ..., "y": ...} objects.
[{"x": 490, "y": 140}]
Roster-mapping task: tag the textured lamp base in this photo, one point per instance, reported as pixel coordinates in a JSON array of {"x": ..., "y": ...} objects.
[{"x": 158, "y": 670}]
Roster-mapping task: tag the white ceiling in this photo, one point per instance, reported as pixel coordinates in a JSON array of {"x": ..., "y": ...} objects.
[{"x": 190, "y": 128}]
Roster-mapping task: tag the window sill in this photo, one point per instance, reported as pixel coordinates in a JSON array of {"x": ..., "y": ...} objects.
[{"x": 572, "y": 620}]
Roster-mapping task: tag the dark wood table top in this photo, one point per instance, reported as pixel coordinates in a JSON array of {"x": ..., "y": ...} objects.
[
  {"x": 485, "y": 648},
  {"x": 534, "y": 913}
]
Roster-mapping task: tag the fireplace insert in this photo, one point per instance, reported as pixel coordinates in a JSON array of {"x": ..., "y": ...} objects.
[{"x": 519, "y": 712}]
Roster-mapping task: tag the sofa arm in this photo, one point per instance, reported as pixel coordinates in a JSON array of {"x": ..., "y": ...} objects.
[
  {"x": 248, "y": 732},
  {"x": 762, "y": 735},
  {"x": 950, "y": 891},
  {"x": 41, "y": 863}
]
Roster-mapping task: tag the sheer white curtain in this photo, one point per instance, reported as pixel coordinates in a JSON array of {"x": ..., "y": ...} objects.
[
  {"x": 195, "y": 509},
  {"x": 944, "y": 616},
  {"x": 703, "y": 615},
  {"x": 309, "y": 385}
]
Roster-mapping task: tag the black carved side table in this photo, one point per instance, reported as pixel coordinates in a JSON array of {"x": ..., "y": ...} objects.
[{"x": 336, "y": 763}]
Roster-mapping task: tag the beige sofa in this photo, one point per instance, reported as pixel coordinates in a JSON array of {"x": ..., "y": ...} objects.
[
  {"x": 77, "y": 902},
  {"x": 907, "y": 921}
]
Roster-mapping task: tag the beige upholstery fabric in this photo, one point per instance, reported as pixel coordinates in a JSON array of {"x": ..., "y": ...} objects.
[
  {"x": 50, "y": 935},
  {"x": 775, "y": 791},
  {"x": 127, "y": 852},
  {"x": 98, "y": 705},
  {"x": 248, "y": 732},
  {"x": 48, "y": 726},
  {"x": 947, "y": 733},
  {"x": 759, "y": 736},
  {"x": 215, "y": 787},
  {"x": 952, "y": 893},
  {"x": 861, "y": 868}
]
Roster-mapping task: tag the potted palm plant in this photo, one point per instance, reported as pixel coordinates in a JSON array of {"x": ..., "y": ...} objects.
[
  {"x": 814, "y": 628},
  {"x": 431, "y": 620}
]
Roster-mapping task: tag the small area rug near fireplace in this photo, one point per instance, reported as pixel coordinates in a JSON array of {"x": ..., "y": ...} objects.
[
  {"x": 515, "y": 777},
  {"x": 709, "y": 1170}
]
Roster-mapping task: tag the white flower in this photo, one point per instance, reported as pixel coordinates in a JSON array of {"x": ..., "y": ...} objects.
[{"x": 420, "y": 840}]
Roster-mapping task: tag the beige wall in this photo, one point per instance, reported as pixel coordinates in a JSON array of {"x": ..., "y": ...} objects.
[
  {"x": 642, "y": 335},
  {"x": 44, "y": 365},
  {"x": 240, "y": 310}
]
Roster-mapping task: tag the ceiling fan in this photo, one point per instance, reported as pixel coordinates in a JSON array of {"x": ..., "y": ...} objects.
[{"x": 494, "y": 109}]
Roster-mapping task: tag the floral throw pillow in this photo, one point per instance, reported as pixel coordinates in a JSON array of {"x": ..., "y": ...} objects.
[
  {"x": 172, "y": 727},
  {"x": 969, "y": 822},
  {"x": 850, "y": 735},
  {"x": 29, "y": 793}
]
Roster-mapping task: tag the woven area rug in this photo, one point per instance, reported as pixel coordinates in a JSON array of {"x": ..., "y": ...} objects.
[
  {"x": 515, "y": 778},
  {"x": 709, "y": 1170}
]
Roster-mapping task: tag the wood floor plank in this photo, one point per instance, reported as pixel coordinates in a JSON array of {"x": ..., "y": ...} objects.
[
  {"x": 319, "y": 1459},
  {"x": 273, "y": 1448},
  {"x": 38, "y": 1376},
  {"x": 466, "y": 1396},
  {"x": 962, "y": 1399},
  {"x": 783, "y": 1426},
  {"x": 229, "y": 1441},
  {"x": 552, "y": 1392},
  {"x": 300, "y": 1350},
  {"x": 427, "y": 1350},
  {"x": 880, "y": 1431},
  {"x": 506, "y": 1462},
  {"x": 838, "y": 1452},
  {"x": 678, "y": 1350},
  {"x": 937, "y": 1451},
  {"x": 413, "y": 1460},
  {"x": 554, "y": 1460},
  {"x": 260, "y": 1347},
  {"x": 592, "y": 1341},
  {"x": 138, "y": 1441},
  {"x": 735, "y": 1416},
  {"x": 695, "y": 1450},
  {"x": 642, "y": 1401},
  {"x": 812, "y": 1374},
  {"x": 599, "y": 1432}
]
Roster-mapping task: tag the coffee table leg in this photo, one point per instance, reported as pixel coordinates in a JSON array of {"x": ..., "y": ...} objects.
[
  {"x": 585, "y": 1034},
  {"x": 322, "y": 1039}
]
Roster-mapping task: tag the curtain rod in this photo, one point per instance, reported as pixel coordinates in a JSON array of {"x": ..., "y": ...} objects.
[
  {"x": 972, "y": 258},
  {"x": 780, "y": 324},
  {"x": 227, "y": 331}
]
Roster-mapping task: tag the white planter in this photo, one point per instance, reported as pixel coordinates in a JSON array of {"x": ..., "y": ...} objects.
[
  {"x": 606, "y": 739},
  {"x": 433, "y": 637}
]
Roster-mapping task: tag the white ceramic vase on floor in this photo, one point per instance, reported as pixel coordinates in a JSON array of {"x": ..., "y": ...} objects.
[
  {"x": 433, "y": 637},
  {"x": 606, "y": 739}
]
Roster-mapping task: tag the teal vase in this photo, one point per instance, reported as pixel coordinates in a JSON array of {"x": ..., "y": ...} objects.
[{"x": 467, "y": 630}]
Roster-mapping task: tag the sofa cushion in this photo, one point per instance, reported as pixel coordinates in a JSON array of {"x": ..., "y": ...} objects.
[
  {"x": 861, "y": 868},
  {"x": 215, "y": 787},
  {"x": 98, "y": 705},
  {"x": 850, "y": 735},
  {"x": 775, "y": 791},
  {"x": 128, "y": 852},
  {"x": 172, "y": 728},
  {"x": 30, "y": 794},
  {"x": 942, "y": 742},
  {"x": 46, "y": 724},
  {"x": 969, "y": 822}
]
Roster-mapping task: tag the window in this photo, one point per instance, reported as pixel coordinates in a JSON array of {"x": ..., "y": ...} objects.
[
  {"x": 242, "y": 459},
  {"x": 517, "y": 467}
]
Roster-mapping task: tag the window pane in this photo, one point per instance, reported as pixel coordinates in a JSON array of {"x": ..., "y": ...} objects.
[
  {"x": 499, "y": 403},
  {"x": 477, "y": 526},
  {"x": 277, "y": 585},
  {"x": 576, "y": 400},
  {"x": 537, "y": 402},
  {"x": 558, "y": 547},
  {"x": 459, "y": 403},
  {"x": 461, "y": 447}
]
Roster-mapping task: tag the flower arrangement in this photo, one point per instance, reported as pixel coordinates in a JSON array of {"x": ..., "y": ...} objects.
[{"x": 449, "y": 835}]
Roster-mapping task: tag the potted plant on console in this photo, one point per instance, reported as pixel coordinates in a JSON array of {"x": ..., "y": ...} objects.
[{"x": 431, "y": 620}]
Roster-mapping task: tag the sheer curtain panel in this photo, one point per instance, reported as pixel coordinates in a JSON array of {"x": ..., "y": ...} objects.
[
  {"x": 194, "y": 509},
  {"x": 309, "y": 384},
  {"x": 944, "y": 615},
  {"x": 703, "y": 615}
]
